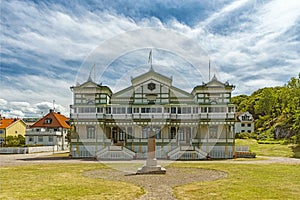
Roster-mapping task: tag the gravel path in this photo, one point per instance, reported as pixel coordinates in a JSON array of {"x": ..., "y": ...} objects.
[{"x": 159, "y": 186}]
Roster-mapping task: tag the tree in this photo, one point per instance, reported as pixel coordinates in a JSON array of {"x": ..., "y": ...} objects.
[{"x": 14, "y": 141}]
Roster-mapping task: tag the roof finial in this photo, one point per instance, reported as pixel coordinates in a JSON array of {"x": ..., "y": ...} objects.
[{"x": 90, "y": 75}]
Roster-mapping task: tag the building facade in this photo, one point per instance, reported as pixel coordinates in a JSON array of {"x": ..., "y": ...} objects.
[
  {"x": 244, "y": 123},
  {"x": 11, "y": 127},
  {"x": 51, "y": 130},
  {"x": 186, "y": 125}
]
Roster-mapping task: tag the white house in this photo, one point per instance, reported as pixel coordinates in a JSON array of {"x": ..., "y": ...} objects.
[
  {"x": 244, "y": 123},
  {"x": 51, "y": 130}
]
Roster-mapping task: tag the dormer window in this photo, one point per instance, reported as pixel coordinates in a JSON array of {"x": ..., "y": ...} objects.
[{"x": 48, "y": 121}]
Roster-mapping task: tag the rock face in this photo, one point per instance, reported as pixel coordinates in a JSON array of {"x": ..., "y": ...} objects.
[{"x": 281, "y": 132}]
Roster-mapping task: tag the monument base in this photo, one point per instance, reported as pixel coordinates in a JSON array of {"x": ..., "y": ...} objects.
[{"x": 151, "y": 167}]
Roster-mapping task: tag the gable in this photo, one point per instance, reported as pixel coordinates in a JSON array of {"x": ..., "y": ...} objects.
[{"x": 52, "y": 120}]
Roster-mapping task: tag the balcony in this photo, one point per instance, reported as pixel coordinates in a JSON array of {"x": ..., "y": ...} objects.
[
  {"x": 44, "y": 132},
  {"x": 152, "y": 116}
]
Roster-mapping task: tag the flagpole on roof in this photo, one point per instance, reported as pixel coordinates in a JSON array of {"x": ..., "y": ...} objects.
[
  {"x": 208, "y": 70},
  {"x": 150, "y": 59}
]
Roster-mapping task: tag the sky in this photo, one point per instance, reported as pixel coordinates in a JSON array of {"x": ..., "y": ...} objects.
[{"x": 49, "y": 46}]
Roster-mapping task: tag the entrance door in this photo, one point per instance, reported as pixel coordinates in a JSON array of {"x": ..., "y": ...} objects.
[{"x": 115, "y": 135}]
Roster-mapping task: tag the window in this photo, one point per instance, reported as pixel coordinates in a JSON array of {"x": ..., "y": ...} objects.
[
  {"x": 213, "y": 132},
  {"x": 136, "y": 110},
  {"x": 173, "y": 110},
  {"x": 122, "y": 135},
  {"x": 16, "y": 132},
  {"x": 158, "y": 133},
  {"x": 203, "y": 109},
  {"x": 30, "y": 139},
  {"x": 180, "y": 134},
  {"x": 173, "y": 133},
  {"x": 50, "y": 139},
  {"x": 48, "y": 121},
  {"x": 145, "y": 110},
  {"x": 129, "y": 110},
  {"x": 186, "y": 110},
  {"x": 179, "y": 110},
  {"x": 166, "y": 110},
  {"x": 100, "y": 110},
  {"x": 108, "y": 110},
  {"x": 40, "y": 139},
  {"x": 159, "y": 110},
  {"x": 249, "y": 131},
  {"x": 243, "y": 125},
  {"x": 249, "y": 125},
  {"x": 1, "y": 131},
  {"x": 145, "y": 133},
  {"x": 90, "y": 132}
]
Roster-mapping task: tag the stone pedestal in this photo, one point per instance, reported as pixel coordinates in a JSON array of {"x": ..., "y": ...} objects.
[{"x": 151, "y": 166}]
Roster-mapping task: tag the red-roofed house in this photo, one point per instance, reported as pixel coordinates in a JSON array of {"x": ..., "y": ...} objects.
[
  {"x": 11, "y": 127},
  {"x": 51, "y": 130}
]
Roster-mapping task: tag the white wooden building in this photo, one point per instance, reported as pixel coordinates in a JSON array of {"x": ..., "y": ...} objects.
[{"x": 186, "y": 125}]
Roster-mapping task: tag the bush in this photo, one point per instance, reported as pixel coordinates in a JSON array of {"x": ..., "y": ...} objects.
[{"x": 14, "y": 141}]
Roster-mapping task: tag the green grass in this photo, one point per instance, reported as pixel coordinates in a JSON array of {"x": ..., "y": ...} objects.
[
  {"x": 244, "y": 181},
  {"x": 61, "y": 181},
  {"x": 277, "y": 150},
  {"x": 65, "y": 181}
]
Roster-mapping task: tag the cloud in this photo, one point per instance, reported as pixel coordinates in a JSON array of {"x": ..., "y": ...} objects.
[{"x": 44, "y": 44}]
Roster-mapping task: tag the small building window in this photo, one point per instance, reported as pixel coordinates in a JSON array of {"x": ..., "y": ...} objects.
[
  {"x": 249, "y": 131},
  {"x": 30, "y": 139},
  {"x": 1, "y": 131},
  {"x": 249, "y": 125},
  {"x": 243, "y": 125},
  {"x": 40, "y": 139},
  {"x": 50, "y": 139},
  {"x": 48, "y": 121}
]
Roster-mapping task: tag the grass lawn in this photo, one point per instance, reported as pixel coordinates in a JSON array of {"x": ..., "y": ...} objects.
[
  {"x": 277, "y": 150},
  {"x": 61, "y": 181},
  {"x": 244, "y": 181},
  {"x": 65, "y": 181}
]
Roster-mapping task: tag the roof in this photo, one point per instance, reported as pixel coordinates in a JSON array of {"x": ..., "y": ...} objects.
[
  {"x": 57, "y": 121},
  {"x": 6, "y": 122},
  {"x": 238, "y": 114}
]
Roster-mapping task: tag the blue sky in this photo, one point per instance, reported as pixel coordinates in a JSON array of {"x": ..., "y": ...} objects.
[{"x": 251, "y": 43}]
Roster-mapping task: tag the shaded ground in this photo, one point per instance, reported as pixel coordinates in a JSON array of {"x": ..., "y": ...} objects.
[{"x": 159, "y": 186}]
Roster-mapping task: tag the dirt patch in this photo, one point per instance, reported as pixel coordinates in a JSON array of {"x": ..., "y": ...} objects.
[{"x": 159, "y": 186}]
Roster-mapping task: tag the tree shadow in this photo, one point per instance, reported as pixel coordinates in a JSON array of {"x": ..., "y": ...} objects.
[{"x": 296, "y": 151}]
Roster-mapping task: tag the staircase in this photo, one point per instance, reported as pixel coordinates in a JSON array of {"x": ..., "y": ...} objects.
[
  {"x": 187, "y": 153},
  {"x": 115, "y": 153}
]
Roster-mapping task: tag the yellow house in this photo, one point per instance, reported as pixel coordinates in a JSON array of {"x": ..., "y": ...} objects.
[{"x": 11, "y": 126}]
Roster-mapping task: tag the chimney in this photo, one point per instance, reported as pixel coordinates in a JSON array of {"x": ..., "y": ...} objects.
[{"x": 51, "y": 110}]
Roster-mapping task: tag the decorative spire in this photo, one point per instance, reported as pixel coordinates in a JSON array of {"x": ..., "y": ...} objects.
[
  {"x": 214, "y": 78},
  {"x": 90, "y": 75}
]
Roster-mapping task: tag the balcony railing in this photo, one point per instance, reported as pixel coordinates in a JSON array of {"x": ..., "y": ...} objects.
[
  {"x": 152, "y": 116},
  {"x": 34, "y": 132}
]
